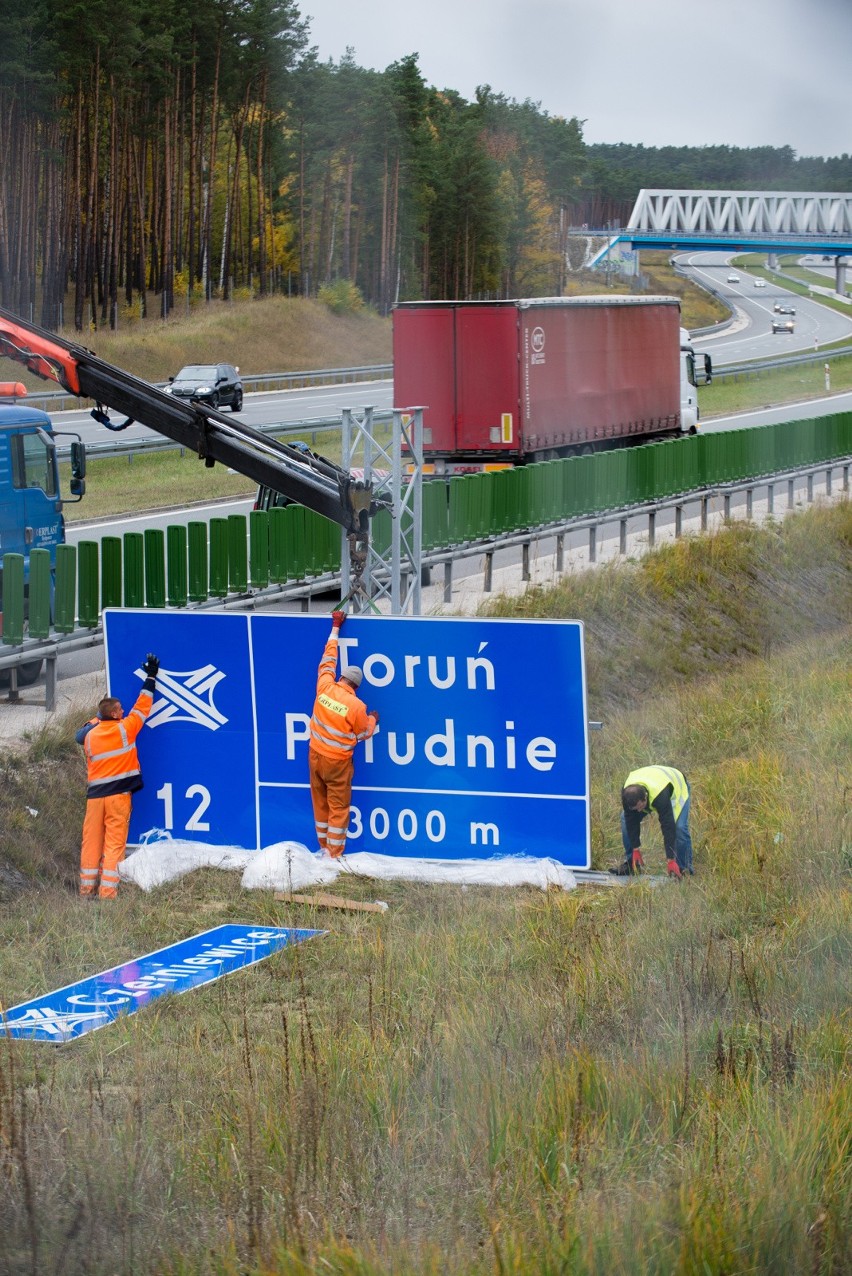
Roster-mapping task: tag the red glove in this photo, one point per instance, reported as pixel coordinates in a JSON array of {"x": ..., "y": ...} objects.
[
  {"x": 373, "y": 713},
  {"x": 337, "y": 618},
  {"x": 637, "y": 861},
  {"x": 674, "y": 871}
]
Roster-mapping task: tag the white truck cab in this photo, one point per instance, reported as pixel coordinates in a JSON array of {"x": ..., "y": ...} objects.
[{"x": 690, "y": 378}]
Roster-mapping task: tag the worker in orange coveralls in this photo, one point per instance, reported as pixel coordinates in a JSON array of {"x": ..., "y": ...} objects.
[
  {"x": 109, "y": 743},
  {"x": 338, "y": 722}
]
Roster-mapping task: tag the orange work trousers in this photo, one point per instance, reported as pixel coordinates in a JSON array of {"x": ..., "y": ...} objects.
[
  {"x": 104, "y": 843},
  {"x": 331, "y": 794}
]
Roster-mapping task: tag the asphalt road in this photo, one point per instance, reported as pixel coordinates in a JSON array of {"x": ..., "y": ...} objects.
[{"x": 750, "y": 336}]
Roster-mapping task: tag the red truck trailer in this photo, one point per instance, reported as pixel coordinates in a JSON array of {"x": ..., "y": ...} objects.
[{"x": 506, "y": 382}]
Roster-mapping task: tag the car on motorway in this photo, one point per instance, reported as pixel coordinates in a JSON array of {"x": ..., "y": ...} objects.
[
  {"x": 784, "y": 308},
  {"x": 783, "y": 323},
  {"x": 216, "y": 384},
  {"x": 760, "y": 283},
  {"x": 733, "y": 279}
]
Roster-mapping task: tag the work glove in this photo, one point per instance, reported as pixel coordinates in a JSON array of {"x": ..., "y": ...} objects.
[
  {"x": 337, "y": 618},
  {"x": 674, "y": 871},
  {"x": 151, "y": 665},
  {"x": 637, "y": 861},
  {"x": 373, "y": 713}
]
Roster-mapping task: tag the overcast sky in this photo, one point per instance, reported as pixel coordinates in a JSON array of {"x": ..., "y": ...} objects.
[{"x": 659, "y": 72}]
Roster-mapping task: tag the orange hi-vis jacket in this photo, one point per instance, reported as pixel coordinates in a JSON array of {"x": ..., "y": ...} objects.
[
  {"x": 339, "y": 719},
  {"x": 110, "y": 748}
]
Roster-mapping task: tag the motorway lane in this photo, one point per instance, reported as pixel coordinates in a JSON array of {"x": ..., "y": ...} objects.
[
  {"x": 268, "y": 407},
  {"x": 751, "y": 336}
]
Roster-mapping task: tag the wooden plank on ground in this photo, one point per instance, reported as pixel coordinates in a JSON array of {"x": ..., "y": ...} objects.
[{"x": 321, "y": 900}]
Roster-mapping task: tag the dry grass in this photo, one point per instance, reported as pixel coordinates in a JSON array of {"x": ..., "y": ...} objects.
[
  {"x": 276, "y": 334},
  {"x": 487, "y": 1081}
]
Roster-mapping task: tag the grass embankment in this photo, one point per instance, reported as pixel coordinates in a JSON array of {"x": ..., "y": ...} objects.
[
  {"x": 276, "y": 334},
  {"x": 633, "y": 1080}
]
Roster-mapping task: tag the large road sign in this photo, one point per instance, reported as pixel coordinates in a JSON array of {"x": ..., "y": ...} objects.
[{"x": 482, "y": 747}]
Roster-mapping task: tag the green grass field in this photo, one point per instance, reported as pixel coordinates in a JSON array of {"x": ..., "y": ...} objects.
[{"x": 632, "y": 1079}]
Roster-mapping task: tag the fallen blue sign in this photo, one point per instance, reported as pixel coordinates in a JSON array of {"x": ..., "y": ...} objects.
[{"x": 80, "y": 1008}]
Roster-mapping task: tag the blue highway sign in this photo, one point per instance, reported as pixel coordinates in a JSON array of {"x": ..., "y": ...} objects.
[
  {"x": 80, "y": 1008},
  {"x": 482, "y": 746}
]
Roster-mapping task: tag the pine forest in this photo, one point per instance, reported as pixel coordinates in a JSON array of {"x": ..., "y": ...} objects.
[{"x": 159, "y": 153}]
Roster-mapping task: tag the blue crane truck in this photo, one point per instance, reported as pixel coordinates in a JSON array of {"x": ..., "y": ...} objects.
[{"x": 30, "y": 501}]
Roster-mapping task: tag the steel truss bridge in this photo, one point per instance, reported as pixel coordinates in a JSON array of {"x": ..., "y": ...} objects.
[{"x": 741, "y": 221}]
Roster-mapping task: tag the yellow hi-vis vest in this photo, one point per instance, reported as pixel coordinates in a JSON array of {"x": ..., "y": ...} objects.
[{"x": 655, "y": 779}]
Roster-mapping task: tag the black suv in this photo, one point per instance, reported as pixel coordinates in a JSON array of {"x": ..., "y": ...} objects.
[{"x": 216, "y": 384}]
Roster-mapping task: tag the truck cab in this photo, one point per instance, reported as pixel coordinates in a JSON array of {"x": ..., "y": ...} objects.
[
  {"x": 690, "y": 378},
  {"x": 30, "y": 502},
  {"x": 30, "y": 506}
]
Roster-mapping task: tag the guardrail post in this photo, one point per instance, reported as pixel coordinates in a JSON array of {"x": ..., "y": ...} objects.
[
  {"x": 448, "y": 580},
  {"x": 828, "y": 480},
  {"x": 50, "y": 682},
  {"x": 593, "y": 544},
  {"x": 487, "y": 575},
  {"x": 525, "y": 561},
  {"x": 652, "y": 528},
  {"x": 810, "y": 488},
  {"x": 678, "y": 521},
  {"x": 622, "y": 536},
  {"x": 749, "y": 502},
  {"x": 770, "y": 498},
  {"x": 791, "y": 487},
  {"x": 727, "y": 507},
  {"x": 560, "y": 552},
  {"x": 704, "y": 504},
  {"x": 846, "y": 478}
]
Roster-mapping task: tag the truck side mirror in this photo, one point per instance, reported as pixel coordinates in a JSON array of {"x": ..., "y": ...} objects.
[
  {"x": 78, "y": 459},
  {"x": 78, "y": 469},
  {"x": 708, "y": 369}
]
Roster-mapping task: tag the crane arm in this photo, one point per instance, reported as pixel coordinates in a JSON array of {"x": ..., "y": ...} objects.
[{"x": 311, "y": 480}]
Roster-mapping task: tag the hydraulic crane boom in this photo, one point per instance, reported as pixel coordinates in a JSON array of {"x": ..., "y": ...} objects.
[{"x": 309, "y": 479}]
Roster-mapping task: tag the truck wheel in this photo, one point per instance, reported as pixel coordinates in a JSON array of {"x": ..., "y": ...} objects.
[{"x": 27, "y": 674}]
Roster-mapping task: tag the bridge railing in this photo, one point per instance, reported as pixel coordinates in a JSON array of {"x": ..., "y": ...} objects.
[{"x": 235, "y": 556}]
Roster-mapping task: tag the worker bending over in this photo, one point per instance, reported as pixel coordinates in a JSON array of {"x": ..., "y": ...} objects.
[
  {"x": 338, "y": 722},
  {"x": 114, "y": 775},
  {"x": 664, "y": 790}
]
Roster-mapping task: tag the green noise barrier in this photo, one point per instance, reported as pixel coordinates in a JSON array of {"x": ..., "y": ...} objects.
[
  {"x": 194, "y": 564},
  {"x": 88, "y": 585},
  {"x": 41, "y": 585},
  {"x": 13, "y": 599}
]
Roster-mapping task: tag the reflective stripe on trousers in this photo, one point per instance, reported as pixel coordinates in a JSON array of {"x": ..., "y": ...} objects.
[
  {"x": 331, "y": 794},
  {"x": 104, "y": 843}
]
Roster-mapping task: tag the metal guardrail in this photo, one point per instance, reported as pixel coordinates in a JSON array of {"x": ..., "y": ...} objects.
[{"x": 47, "y": 400}]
